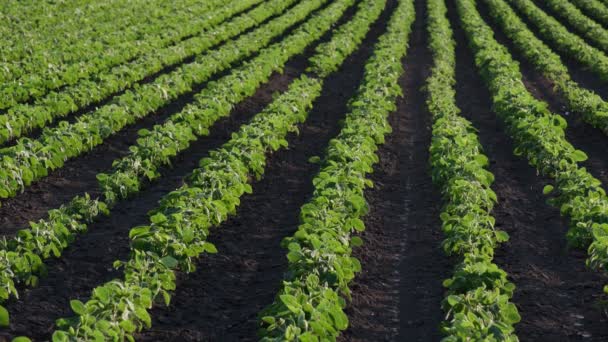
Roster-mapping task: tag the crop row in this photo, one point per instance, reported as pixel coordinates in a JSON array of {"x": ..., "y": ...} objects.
[
  {"x": 51, "y": 72},
  {"x": 23, "y": 118},
  {"x": 591, "y": 106},
  {"x": 477, "y": 303},
  {"x": 21, "y": 258},
  {"x": 310, "y": 302},
  {"x": 155, "y": 147},
  {"x": 180, "y": 226},
  {"x": 594, "y": 9},
  {"x": 563, "y": 40},
  {"x": 585, "y": 26},
  {"x": 31, "y": 159},
  {"x": 539, "y": 136}
]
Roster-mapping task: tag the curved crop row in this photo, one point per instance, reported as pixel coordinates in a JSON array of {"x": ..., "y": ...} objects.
[
  {"x": 477, "y": 304},
  {"x": 155, "y": 147},
  {"x": 562, "y": 40},
  {"x": 23, "y": 118},
  {"x": 30, "y": 159},
  {"x": 591, "y": 106},
  {"x": 309, "y": 305},
  {"x": 539, "y": 136},
  {"x": 179, "y": 228},
  {"x": 585, "y": 26},
  {"x": 594, "y": 9},
  {"x": 65, "y": 60},
  {"x": 330, "y": 55},
  {"x": 21, "y": 257},
  {"x": 186, "y": 215},
  {"x": 39, "y": 82}
]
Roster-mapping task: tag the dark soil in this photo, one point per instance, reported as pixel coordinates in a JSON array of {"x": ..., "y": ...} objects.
[
  {"x": 556, "y": 295},
  {"x": 397, "y": 296}
]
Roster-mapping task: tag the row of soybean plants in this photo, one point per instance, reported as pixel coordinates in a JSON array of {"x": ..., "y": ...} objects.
[
  {"x": 539, "y": 136},
  {"x": 67, "y": 61},
  {"x": 477, "y": 303},
  {"x": 311, "y": 300},
  {"x": 562, "y": 40},
  {"x": 584, "y": 25},
  {"x": 588, "y": 104},
  {"x": 595, "y": 9},
  {"x": 179, "y": 227},
  {"x": 22, "y": 118},
  {"x": 31, "y": 159},
  {"x": 21, "y": 258}
]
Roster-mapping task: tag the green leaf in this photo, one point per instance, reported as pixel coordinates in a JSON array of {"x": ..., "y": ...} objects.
[
  {"x": 143, "y": 315},
  {"x": 578, "y": 156},
  {"x": 308, "y": 337},
  {"x": 128, "y": 326},
  {"x": 166, "y": 298},
  {"x": 547, "y": 189},
  {"x": 60, "y": 336},
  {"x": 21, "y": 339},
  {"x": 453, "y": 300},
  {"x": 511, "y": 314},
  {"x": 269, "y": 319},
  {"x": 340, "y": 319},
  {"x": 158, "y": 218},
  {"x": 502, "y": 236},
  {"x": 103, "y": 293},
  {"x": 291, "y": 303},
  {"x": 293, "y": 256},
  {"x": 4, "y": 318},
  {"x": 169, "y": 261},
  {"x": 210, "y": 248},
  {"x": 314, "y": 160},
  {"x": 138, "y": 231},
  {"x": 357, "y": 224},
  {"x": 356, "y": 241},
  {"x": 77, "y": 306}
]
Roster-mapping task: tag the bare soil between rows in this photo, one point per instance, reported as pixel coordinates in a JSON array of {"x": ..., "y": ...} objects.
[{"x": 398, "y": 294}]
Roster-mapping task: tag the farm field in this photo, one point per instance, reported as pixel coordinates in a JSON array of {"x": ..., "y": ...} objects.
[{"x": 304, "y": 170}]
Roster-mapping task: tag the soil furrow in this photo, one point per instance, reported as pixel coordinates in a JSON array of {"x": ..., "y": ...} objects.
[{"x": 397, "y": 296}]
